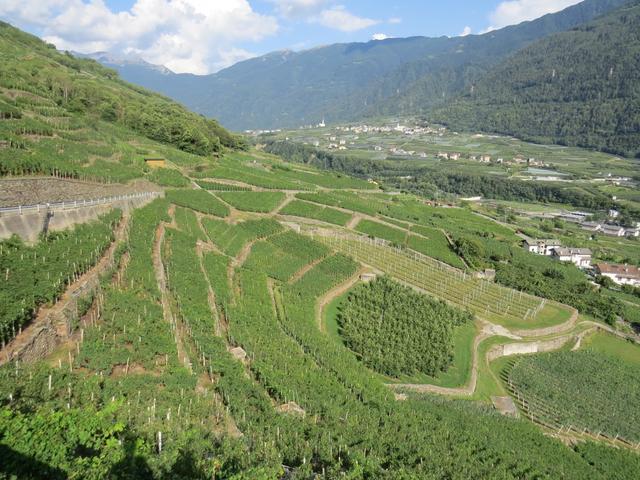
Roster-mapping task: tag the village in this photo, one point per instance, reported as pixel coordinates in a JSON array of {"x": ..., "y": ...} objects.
[{"x": 620, "y": 274}]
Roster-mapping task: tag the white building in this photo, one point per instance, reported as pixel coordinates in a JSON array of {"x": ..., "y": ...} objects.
[
  {"x": 541, "y": 247},
  {"x": 580, "y": 257},
  {"x": 613, "y": 230},
  {"x": 620, "y": 274}
]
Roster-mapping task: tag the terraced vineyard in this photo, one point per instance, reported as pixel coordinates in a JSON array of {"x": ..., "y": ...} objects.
[
  {"x": 298, "y": 208},
  {"x": 485, "y": 299},
  {"x": 262, "y": 202},
  {"x": 585, "y": 391},
  {"x": 196, "y": 352},
  {"x": 36, "y": 275}
]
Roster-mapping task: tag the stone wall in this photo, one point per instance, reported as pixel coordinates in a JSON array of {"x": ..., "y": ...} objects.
[{"x": 30, "y": 225}]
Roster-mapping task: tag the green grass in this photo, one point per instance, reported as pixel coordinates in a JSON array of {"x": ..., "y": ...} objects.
[
  {"x": 260, "y": 202},
  {"x": 614, "y": 346}
]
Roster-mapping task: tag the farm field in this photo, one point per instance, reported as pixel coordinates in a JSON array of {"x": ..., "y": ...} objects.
[
  {"x": 378, "y": 145},
  {"x": 198, "y": 200},
  {"x": 487, "y": 300},
  {"x": 457, "y": 373},
  {"x": 234, "y": 328},
  {"x": 583, "y": 389},
  {"x": 260, "y": 202},
  {"x": 299, "y": 208},
  {"x": 37, "y": 275}
]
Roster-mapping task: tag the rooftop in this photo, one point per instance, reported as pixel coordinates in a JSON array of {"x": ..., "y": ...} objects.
[
  {"x": 572, "y": 251},
  {"x": 628, "y": 271}
]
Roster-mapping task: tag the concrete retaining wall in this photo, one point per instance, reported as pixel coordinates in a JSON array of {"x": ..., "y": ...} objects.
[
  {"x": 510, "y": 349},
  {"x": 29, "y": 226}
]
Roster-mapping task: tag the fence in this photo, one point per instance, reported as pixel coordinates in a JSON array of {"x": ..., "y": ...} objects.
[{"x": 73, "y": 204}]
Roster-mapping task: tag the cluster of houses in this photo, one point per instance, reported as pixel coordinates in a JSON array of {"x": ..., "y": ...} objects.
[
  {"x": 581, "y": 257},
  {"x": 601, "y": 227},
  {"x": 405, "y": 130},
  {"x": 517, "y": 160}
]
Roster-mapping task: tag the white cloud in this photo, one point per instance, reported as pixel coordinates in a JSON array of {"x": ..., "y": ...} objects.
[
  {"x": 197, "y": 36},
  {"x": 379, "y": 36},
  {"x": 395, "y": 20},
  {"x": 465, "y": 31},
  {"x": 515, "y": 11},
  {"x": 298, "y": 8},
  {"x": 339, "y": 18}
]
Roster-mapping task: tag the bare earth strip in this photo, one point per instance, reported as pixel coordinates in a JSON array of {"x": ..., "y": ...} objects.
[
  {"x": 158, "y": 267},
  {"x": 328, "y": 297}
]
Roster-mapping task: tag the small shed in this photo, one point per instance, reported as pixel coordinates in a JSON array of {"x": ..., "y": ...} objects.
[
  {"x": 155, "y": 162},
  {"x": 368, "y": 277}
]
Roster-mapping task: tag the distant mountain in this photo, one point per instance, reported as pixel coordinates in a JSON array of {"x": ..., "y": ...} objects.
[
  {"x": 349, "y": 81},
  {"x": 124, "y": 61},
  {"x": 580, "y": 87}
]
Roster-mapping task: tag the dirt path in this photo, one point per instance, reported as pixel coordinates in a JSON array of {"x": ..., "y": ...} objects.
[
  {"x": 211, "y": 296},
  {"x": 355, "y": 220},
  {"x": 466, "y": 390},
  {"x": 290, "y": 197},
  {"x": 239, "y": 260},
  {"x": 300, "y": 273},
  {"x": 161, "y": 278},
  {"x": 46, "y": 313},
  {"x": 328, "y": 297}
]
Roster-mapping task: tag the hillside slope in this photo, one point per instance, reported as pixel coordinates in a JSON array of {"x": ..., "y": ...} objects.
[
  {"x": 77, "y": 117},
  {"x": 579, "y": 87},
  {"x": 346, "y": 82}
]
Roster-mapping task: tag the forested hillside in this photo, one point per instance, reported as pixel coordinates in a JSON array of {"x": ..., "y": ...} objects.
[
  {"x": 575, "y": 88},
  {"x": 345, "y": 82},
  {"x": 77, "y": 117}
]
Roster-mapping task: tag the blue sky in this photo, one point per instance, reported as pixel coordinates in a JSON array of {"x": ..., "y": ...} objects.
[{"x": 203, "y": 36}]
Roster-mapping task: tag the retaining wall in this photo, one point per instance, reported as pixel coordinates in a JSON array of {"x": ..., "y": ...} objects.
[
  {"x": 29, "y": 225},
  {"x": 510, "y": 349}
]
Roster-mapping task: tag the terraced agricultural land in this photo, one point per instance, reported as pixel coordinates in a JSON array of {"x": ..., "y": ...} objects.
[
  {"x": 487, "y": 300},
  {"x": 299, "y": 208},
  {"x": 261, "y": 202},
  {"x": 582, "y": 390}
]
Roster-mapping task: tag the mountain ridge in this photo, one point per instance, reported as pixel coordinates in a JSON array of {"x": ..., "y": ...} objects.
[
  {"x": 577, "y": 88},
  {"x": 344, "y": 82}
]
